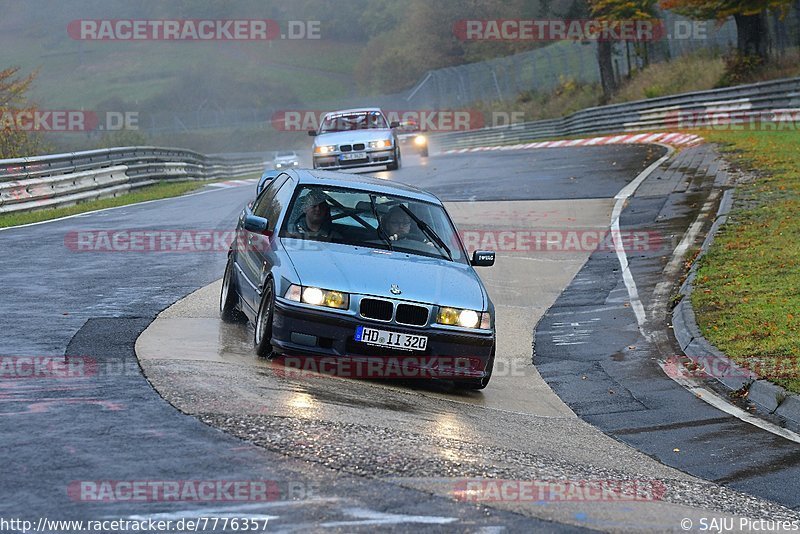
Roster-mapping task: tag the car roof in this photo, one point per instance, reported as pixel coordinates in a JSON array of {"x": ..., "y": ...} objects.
[
  {"x": 353, "y": 111},
  {"x": 363, "y": 182}
]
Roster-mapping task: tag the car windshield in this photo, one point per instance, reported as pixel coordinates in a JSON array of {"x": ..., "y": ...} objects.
[
  {"x": 374, "y": 220},
  {"x": 353, "y": 121}
]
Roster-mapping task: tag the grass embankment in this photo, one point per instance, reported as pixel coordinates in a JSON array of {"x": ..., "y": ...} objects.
[
  {"x": 747, "y": 293},
  {"x": 152, "y": 192}
]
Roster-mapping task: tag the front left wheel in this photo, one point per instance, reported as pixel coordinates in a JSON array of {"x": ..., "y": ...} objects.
[
  {"x": 263, "y": 326},
  {"x": 229, "y": 297}
]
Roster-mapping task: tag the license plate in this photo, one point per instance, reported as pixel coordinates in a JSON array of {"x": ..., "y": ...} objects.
[
  {"x": 394, "y": 340},
  {"x": 354, "y": 155}
]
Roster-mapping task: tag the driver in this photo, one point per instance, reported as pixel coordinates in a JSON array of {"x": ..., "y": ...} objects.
[{"x": 315, "y": 221}]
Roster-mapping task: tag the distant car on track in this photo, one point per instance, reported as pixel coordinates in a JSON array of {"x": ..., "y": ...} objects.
[
  {"x": 410, "y": 135},
  {"x": 350, "y": 266},
  {"x": 355, "y": 138},
  {"x": 286, "y": 160}
]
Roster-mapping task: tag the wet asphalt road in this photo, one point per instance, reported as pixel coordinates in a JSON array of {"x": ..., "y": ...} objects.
[
  {"x": 115, "y": 427},
  {"x": 590, "y": 351}
]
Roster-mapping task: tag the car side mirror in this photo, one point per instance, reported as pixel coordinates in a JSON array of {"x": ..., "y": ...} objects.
[
  {"x": 256, "y": 224},
  {"x": 483, "y": 258},
  {"x": 312, "y": 133},
  {"x": 394, "y": 124}
]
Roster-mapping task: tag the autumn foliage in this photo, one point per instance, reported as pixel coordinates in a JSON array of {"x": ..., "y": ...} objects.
[{"x": 15, "y": 142}]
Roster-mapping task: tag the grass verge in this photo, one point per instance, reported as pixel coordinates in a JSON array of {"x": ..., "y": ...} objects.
[
  {"x": 157, "y": 191},
  {"x": 747, "y": 293}
]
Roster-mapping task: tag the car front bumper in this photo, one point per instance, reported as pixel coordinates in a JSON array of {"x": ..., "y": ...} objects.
[
  {"x": 303, "y": 334},
  {"x": 373, "y": 157},
  {"x": 286, "y": 165}
]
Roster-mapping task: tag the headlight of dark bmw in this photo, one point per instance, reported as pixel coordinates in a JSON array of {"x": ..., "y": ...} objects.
[{"x": 464, "y": 318}]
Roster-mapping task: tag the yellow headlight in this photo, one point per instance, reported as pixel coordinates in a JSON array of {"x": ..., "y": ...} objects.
[
  {"x": 334, "y": 299},
  {"x": 448, "y": 316},
  {"x": 459, "y": 317},
  {"x": 420, "y": 140}
]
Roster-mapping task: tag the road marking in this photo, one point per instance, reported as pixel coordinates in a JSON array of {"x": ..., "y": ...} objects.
[
  {"x": 659, "y": 301},
  {"x": 723, "y": 405},
  {"x": 670, "y": 272},
  {"x": 621, "y": 200},
  {"x": 647, "y": 138},
  {"x": 232, "y": 511},
  {"x": 366, "y": 517}
]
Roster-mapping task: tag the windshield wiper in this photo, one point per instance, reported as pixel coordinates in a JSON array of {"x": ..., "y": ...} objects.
[
  {"x": 428, "y": 231},
  {"x": 381, "y": 232}
]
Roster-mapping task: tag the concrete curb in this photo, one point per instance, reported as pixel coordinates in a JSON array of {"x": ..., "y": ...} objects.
[{"x": 767, "y": 396}]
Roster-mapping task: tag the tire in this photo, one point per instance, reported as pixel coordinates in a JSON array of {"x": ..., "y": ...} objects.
[
  {"x": 229, "y": 297},
  {"x": 478, "y": 383},
  {"x": 424, "y": 152},
  {"x": 396, "y": 165},
  {"x": 262, "y": 337}
]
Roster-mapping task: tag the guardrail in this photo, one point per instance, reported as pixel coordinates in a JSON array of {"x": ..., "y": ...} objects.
[
  {"x": 683, "y": 111},
  {"x": 63, "y": 179}
]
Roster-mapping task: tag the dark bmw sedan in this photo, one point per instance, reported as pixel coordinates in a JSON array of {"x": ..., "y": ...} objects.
[{"x": 338, "y": 266}]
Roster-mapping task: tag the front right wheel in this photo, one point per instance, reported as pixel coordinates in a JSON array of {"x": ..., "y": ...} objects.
[{"x": 396, "y": 164}]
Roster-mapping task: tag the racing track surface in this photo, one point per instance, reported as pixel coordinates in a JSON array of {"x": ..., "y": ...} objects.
[
  {"x": 601, "y": 341},
  {"x": 115, "y": 427}
]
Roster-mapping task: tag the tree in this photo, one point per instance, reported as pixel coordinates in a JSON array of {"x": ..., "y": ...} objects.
[
  {"x": 613, "y": 12},
  {"x": 750, "y": 17},
  {"x": 15, "y": 142}
]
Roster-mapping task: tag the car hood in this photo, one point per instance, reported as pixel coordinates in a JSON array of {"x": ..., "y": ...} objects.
[
  {"x": 283, "y": 159},
  {"x": 372, "y": 272},
  {"x": 355, "y": 136}
]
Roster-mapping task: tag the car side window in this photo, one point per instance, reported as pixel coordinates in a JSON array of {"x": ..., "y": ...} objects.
[
  {"x": 278, "y": 204},
  {"x": 269, "y": 192}
]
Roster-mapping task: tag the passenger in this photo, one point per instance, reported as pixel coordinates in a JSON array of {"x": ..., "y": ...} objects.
[{"x": 397, "y": 224}]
